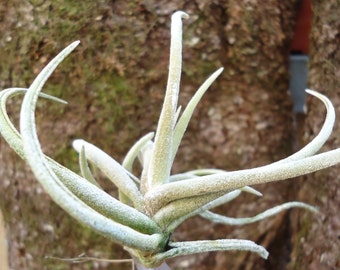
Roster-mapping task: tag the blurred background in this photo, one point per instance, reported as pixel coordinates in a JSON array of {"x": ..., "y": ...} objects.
[{"x": 114, "y": 83}]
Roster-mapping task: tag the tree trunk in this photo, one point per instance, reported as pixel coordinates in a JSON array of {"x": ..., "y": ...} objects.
[
  {"x": 114, "y": 83},
  {"x": 316, "y": 239}
]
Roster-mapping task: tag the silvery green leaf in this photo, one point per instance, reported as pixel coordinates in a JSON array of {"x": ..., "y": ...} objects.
[
  {"x": 180, "y": 209},
  {"x": 112, "y": 169},
  {"x": 181, "y": 176},
  {"x": 229, "y": 181},
  {"x": 183, "y": 121},
  {"x": 216, "y": 218},
  {"x": 161, "y": 160},
  {"x": 192, "y": 247},
  {"x": 175, "y": 221},
  {"x": 85, "y": 169},
  {"x": 315, "y": 145},
  {"x": 52, "y": 184},
  {"x": 7, "y": 129},
  {"x": 99, "y": 200},
  {"x": 134, "y": 150}
]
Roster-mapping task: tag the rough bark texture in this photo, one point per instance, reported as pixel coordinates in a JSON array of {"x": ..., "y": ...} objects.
[
  {"x": 316, "y": 239},
  {"x": 114, "y": 83}
]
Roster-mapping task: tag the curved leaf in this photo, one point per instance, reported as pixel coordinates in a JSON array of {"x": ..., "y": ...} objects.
[
  {"x": 216, "y": 218},
  {"x": 55, "y": 188},
  {"x": 134, "y": 150},
  {"x": 183, "y": 122},
  {"x": 192, "y": 247},
  {"x": 112, "y": 169},
  {"x": 85, "y": 169}
]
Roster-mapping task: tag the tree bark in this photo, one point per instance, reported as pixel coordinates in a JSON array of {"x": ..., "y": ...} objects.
[
  {"x": 114, "y": 83},
  {"x": 316, "y": 239}
]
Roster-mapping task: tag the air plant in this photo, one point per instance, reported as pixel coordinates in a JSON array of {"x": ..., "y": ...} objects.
[{"x": 152, "y": 206}]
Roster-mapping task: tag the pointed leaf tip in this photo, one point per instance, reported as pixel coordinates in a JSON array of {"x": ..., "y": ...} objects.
[{"x": 75, "y": 43}]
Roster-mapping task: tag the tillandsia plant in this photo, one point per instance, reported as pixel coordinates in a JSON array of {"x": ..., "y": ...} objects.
[{"x": 152, "y": 206}]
